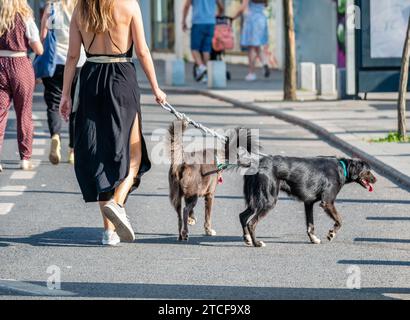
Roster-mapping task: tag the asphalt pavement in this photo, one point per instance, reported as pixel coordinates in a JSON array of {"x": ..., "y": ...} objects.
[{"x": 47, "y": 233}]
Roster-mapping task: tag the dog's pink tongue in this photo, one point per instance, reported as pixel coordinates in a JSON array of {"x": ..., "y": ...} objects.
[
  {"x": 220, "y": 180},
  {"x": 370, "y": 186}
]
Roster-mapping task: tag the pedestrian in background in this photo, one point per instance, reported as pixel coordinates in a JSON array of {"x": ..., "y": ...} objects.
[
  {"x": 203, "y": 27},
  {"x": 57, "y": 17},
  {"x": 18, "y": 33},
  {"x": 109, "y": 148},
  {"x": 254, "y": 34}
]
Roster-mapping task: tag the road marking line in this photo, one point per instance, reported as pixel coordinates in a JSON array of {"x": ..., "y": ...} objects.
[
  {"x": 5, "y": 208},
  {"x": 32, "y": 289},
  {"x": 39, "y": 142},
  {"x": 12, "y": 191},
  {"x": 397, "y": 296},
  {"x": 22, "y": 175},
  {"x": 38, "y": 152}
]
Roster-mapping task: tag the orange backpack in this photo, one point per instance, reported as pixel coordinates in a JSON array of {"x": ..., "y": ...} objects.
[{"x": 223, "y": 38}]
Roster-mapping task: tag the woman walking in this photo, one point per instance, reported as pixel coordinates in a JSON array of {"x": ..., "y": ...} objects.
[
  {"x": 109, "y": 149},
  {"x": 57, "y": 17},
  {"x": 254, "y": 34},
  {"x": 18, "y": 33}
]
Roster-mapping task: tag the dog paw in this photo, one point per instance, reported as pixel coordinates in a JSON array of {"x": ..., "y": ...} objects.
[
  {"x": 191, "y": 221},
  {"x": 210, "y": 232},
  {"x": 260, "y": 244},
  {"x": 248, "y": 240},
  {"x": 331, "y": 235},
  {"x": 314, "y": 239},
  {"x": 183, "y": 236}
]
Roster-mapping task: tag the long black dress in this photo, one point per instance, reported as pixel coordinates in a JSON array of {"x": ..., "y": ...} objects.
[{"x": 109, "y": 100}]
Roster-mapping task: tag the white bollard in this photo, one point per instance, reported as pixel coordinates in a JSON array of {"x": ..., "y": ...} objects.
[
  {"x": 216, "y": 74},
  {"x": 175, "y": 72},
  {"x": 328, "y": 80},
  {"x": 308, "y": 77}
]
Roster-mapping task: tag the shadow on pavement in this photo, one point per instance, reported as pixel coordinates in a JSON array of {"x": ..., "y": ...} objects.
[
  {"x": 90, "y": 237},
  {"x": 382, "y": 240},
  {"x": 63, "y": 237},
  {"x": 376, "y": 263},
  {"x": 388, "y": 218},
  {"x": 183, "y": 291}
]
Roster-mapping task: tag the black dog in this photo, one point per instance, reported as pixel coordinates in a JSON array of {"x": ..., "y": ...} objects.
[{"x": 309, "y": 180}]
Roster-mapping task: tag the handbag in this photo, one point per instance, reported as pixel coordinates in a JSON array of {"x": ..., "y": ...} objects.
[{"x": 45, "y": 65}]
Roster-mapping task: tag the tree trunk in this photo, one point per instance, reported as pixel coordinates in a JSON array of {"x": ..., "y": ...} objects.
[
  {"x": 404, "y": 78},
  {"x": 290, "y": 52}
]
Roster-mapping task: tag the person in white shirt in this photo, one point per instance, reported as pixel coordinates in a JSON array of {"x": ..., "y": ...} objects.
[{"x": 57, "y": 17}]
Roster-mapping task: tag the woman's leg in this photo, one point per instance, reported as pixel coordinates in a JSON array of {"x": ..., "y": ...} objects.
[
  {"x": 53, "y": 87},
  {"x": 107, "y": 223},
  {"x": 121, "y": 192},
  {"x": 251, "y": 58},
  {"x": 5, "y": 99},
  {"x": 263, "y": 59},
  {"x": 24, "y": 83},
  {"x": 261, "y": 55}
]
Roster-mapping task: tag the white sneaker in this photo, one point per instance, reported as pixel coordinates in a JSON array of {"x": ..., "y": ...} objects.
[
  {"x": 26, "y": 165},
  {"x": 200, "y": 72},
  {"x": 205, "y": 79},
  {"x": 55, "y": 150},
  {"x": 110, "y": 238},
  {"x": 118, "y": 217},
  {"x": 251, "y": 77}
]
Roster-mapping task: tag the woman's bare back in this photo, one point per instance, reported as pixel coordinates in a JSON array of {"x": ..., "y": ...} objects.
[{"x": 119, "y": 38}]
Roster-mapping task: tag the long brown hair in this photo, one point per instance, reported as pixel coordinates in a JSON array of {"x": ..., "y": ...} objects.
[
  {"x": 96, "y": 15},
  {"x": 8, "y": 11}
]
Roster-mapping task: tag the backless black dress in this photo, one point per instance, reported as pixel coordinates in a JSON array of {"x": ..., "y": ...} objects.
[{"x": 109, "y": 101}]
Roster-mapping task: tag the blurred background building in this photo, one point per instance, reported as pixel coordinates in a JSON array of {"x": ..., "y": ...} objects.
[{"x": 316, "y": 24}]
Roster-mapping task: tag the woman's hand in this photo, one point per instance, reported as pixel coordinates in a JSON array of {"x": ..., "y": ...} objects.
[
  {"x": 160, "y": 96},
  {"x": 65, "y": 107}
]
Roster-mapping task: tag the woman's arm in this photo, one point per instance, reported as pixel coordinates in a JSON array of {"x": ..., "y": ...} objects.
[
  {"x": 143, "y": 53},
  {"x": 241, "y": 9},
  {"x": 73, "y": 56},
  {"x": 221, "y": 7},
  {"x": 43, "y": 27}
]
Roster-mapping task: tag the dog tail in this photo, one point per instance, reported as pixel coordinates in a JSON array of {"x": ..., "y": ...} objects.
[{"x": 175, "y": 135}]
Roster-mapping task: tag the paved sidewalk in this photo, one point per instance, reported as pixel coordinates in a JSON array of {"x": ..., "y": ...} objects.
[{"x": 350, "y": 122}]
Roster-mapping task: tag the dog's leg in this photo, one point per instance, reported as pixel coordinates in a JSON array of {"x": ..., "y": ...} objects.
[
  {"x": 243, "y": 218},
  {"x": 191, "y": 218},
  {"x": 178, "y": 208},
  {"x": 310, "y": 224},
  {"x": 209, "y": 199},
  {"x": 252, "y": 226},
  {"x": 190, "y": 204},
  {"x": 331, "y": 211}
]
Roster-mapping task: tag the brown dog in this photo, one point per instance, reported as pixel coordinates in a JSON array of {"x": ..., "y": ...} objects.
[{"x": 196, "y": 174}]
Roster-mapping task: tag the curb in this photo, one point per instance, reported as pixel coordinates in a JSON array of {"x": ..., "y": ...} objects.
[{"x": 380, "y": 167}]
